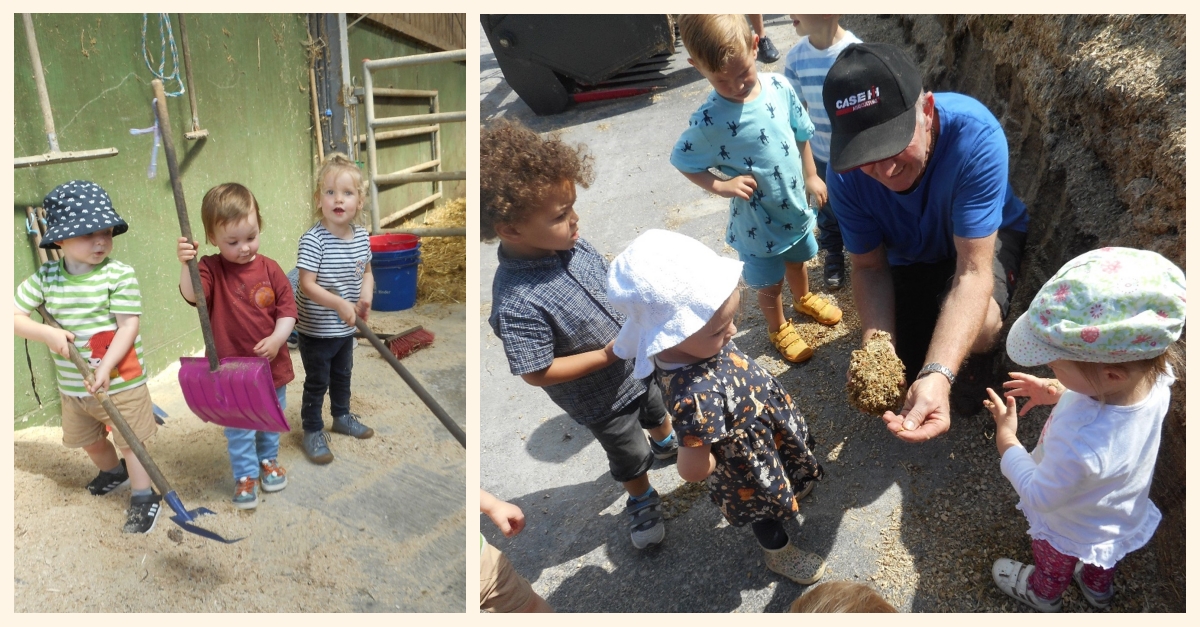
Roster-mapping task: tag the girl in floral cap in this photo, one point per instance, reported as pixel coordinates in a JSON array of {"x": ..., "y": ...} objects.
[
  {"x": 740, "y": 431},
  {"x": 1106, "y": 324}
]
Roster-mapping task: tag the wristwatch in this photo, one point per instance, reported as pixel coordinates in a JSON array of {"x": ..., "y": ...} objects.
[{"x": 938, "y": 368}]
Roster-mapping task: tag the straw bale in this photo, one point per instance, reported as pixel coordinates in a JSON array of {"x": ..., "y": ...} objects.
[{"x": 442, "y": 275}]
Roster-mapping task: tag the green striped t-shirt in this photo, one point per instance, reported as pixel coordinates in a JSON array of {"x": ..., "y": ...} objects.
[{"x": 87, "y": 305}]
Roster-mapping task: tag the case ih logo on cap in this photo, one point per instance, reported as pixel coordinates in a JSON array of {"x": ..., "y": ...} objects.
[{"x": 857, "y": 101}]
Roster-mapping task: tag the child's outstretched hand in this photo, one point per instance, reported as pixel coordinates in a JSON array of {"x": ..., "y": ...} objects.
[
  {"x": 1004, "y": 412},
  {"x": 185, "y": 250},
  {"x": 268, "y": 347},
  {"x": 816, "y": 191},
  {"x": 508, "y": 518},
  {"x": 1040, "y": 391},
  {"x": 740, "y": 186}
]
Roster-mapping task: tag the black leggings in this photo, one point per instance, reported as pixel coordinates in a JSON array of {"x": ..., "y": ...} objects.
[{"x": 770, "y": 534}]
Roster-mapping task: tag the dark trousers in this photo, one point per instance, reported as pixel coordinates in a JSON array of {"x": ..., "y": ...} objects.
[
  {"x": 622, "y": 438},
  {"x": 327, "y": 365},
  {"x": 829, "y": 237},
  {"x": 921, "y": 288}
]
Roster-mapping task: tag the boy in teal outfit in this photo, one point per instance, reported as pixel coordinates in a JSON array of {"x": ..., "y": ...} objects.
[{"x": 754, "y": 132}]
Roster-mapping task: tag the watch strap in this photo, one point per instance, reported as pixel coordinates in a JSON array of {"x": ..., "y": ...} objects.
[{"x": 932, "y": 367}]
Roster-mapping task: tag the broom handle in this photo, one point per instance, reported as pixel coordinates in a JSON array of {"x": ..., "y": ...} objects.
[
  {"x": 40, "y": 78},
  {"x": 114, "y": 413},
  {"x": 412, "y": 382},
  {"x": 187, "y": 66},
  {"x": 37, "y": 234},
  {"x": 185, "y": 227}
]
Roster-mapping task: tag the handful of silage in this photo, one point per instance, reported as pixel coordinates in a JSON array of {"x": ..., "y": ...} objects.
[{"x": 876, "y": 377}]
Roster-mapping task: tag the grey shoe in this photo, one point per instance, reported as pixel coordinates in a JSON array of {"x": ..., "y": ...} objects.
[
  {"x": 671, "y": 449},
  {"x": 767, "y": 52},
  {"x": 350, "y": 425},
  {"x": 645, "y": 520},
  {"x": 1094, "y": 599},
  {"x": 316, "y": 447}
]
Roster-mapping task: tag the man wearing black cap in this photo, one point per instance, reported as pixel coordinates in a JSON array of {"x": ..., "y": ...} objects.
[{"x": 919, "y": 183}]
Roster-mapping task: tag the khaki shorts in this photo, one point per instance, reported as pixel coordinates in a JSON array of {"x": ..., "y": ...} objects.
[
  {"x": 84, "y": 418},
  {"x": 501, "y": 589}
]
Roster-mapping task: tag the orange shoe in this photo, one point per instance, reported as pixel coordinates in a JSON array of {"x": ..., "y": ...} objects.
[
  {"x": 820, "y": 309},
  {"x": 790, "y": 344}
]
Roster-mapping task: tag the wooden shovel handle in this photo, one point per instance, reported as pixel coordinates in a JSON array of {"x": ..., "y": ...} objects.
[
  {"x": 185, "y": 227},
  {"x": 126, "y": 432}
]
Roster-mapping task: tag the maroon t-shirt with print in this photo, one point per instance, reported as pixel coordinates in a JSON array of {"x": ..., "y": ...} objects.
[{"x": 244, "y": 301}]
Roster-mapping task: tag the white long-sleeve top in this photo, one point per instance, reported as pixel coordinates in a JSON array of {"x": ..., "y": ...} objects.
[{"x": 1085, "y": 489}]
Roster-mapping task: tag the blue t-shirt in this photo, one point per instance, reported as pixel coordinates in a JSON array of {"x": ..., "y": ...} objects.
[
  {"x": 964, "y": 192},
  {"x": 760, "y": 138},
  {"x": 806, "y": 66}
]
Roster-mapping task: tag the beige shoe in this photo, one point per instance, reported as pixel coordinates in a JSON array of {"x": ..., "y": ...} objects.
[
  {"x": 790, "y": 344},
  {"x": 801, "y": 567},
  {"x": 820, "y": 309}
]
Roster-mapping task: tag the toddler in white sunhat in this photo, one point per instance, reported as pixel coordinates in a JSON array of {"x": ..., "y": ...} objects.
[
  {"x": 1106, "y": 324},
  {"x": 739, "y": 430}
]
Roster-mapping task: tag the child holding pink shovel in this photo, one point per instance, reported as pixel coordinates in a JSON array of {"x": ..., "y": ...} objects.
[{"x": 253, "y": 311}]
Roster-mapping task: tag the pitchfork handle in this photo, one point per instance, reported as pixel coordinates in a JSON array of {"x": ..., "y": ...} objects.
[
  {"x": 126, "y": 432},
  {"x": 185, "y": 227}
]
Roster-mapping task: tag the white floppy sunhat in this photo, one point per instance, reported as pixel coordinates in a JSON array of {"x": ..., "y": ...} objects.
[
  {"x": 1111, "y": 305},
  {"x": 668, "y": 286}
]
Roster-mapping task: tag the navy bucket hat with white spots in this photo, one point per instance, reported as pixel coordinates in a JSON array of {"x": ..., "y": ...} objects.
[{"x": 79, "y": 208}]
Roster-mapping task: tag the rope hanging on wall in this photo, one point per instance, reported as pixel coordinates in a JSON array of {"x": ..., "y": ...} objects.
[{"x": 167, "y": 37}]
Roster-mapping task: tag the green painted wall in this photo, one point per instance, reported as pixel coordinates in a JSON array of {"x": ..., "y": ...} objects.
[{"x": 252, "y": 86}]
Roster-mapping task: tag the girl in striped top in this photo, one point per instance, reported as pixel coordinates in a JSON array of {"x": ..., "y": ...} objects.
[{"x": 336, "y": 285}]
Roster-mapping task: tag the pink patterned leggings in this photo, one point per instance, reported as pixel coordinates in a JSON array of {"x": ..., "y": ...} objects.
[{"x": 1053, "y": 573}]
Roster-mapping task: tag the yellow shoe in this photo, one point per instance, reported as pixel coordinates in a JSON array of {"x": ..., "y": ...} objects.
[
  {"x": 790, "y": 344},
  {"x": 820, "y": 309}
]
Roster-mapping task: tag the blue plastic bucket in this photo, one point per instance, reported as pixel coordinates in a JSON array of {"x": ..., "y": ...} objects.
[{"x": 395, "y": 280}]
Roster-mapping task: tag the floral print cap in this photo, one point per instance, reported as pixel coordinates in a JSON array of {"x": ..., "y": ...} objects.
[{"x": 1110, "y": 305}]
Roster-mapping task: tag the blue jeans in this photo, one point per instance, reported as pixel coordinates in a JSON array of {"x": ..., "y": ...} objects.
[
  {"x": 830, "y": 237},
  {"x": 248, "y": 447},
  {"x": 328, "y": 362}
]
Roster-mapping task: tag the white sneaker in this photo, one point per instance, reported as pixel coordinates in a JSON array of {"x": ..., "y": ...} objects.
[{"x": 1012, "y": 577}]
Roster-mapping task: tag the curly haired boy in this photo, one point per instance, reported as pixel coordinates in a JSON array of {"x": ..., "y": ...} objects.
[{"x": 551, "y": 311}]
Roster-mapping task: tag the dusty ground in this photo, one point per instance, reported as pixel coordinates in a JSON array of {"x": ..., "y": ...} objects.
[{"x": 379, "y": 530}]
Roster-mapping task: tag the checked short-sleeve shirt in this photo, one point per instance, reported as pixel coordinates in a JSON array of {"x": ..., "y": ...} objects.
[{"x": 557, "y": 306}]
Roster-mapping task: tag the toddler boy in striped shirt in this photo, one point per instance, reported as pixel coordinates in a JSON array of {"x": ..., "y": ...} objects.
[
  {"x": 97, "y": 301},
  {"x": 822, "y": 39}
]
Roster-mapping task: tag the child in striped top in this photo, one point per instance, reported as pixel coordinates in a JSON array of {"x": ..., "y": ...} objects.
[
  {"x": 97, "y": 301},
  {"x": 336, "y": 285}
]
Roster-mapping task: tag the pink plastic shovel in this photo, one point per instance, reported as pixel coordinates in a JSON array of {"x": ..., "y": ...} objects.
[{"x": 235, "y": 391}]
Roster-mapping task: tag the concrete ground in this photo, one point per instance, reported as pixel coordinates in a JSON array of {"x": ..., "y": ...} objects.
[{"x": 576, "y": 549}]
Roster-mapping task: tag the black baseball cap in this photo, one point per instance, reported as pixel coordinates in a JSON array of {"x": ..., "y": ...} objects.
[{"x": 870, "y": 95}]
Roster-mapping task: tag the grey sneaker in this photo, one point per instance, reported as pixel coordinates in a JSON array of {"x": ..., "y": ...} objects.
[
  {"x": 767, "y": 52},
  {"x": 671, "y": 449},
  {"x": 273, "y": 477},
  {"x": 316, "y": 447},
  {"x": 350, "y": 425},
  {"x": 245, "y": 493},
  {"x": 645, "y": 520},
  {"x": 142, "y": 513},
  {"x": 1094, "y": 599}
]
